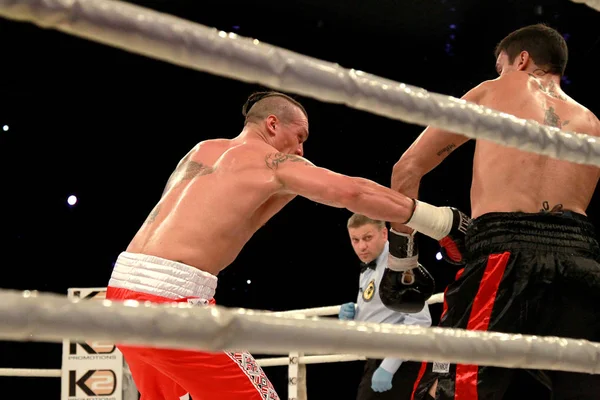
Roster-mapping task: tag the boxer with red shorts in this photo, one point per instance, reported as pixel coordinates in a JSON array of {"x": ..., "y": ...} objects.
[
  {"x": 171, "y": 374},
  {"x": 219, "y": 195}
]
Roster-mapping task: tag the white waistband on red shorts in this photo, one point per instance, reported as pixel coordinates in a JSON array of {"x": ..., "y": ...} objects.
[{"x": 161, "y": 277}]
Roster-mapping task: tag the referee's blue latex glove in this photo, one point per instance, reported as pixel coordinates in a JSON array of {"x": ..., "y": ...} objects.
[
  {"x": 381, "y": 380},
  {"x": 347, "y": 312}
]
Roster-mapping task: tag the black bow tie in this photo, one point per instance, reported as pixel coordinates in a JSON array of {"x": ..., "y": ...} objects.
[{"x": 372, "y": 265}]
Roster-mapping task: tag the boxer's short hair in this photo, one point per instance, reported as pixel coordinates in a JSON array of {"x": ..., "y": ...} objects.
[{"x": 545, "y": 45}]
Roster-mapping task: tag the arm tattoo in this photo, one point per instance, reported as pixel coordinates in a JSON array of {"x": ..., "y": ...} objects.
[
  {"x": 274, "y": 159},
  {"x": 447, "y": 149}
]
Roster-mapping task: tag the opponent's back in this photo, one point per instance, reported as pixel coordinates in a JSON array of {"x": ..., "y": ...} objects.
[
  {"x": 220, "y": 193},
  {"x": 508, "y": 179}
]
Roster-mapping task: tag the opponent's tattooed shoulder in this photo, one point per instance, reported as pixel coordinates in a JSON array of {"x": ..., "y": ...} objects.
[
  {"x": 274, "y": 159},
  {"x": 551, "y": 118}
]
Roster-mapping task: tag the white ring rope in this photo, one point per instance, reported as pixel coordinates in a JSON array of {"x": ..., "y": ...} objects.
[
  {"x": 31, "y": 373},
  {"x": 52, "y": 318},
  {"x": 334, "y": 310},
  {"x": 168, "y": 38},
  {"x": 271, "y": 362},
  {"x": 263, "y": 362},
  {"x": 595, "y": 4}
]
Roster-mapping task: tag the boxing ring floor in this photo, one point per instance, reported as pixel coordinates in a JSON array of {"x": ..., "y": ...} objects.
[{"x": 302, "y": 334}]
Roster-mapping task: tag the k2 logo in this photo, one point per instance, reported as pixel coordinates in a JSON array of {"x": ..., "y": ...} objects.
[
  {"x": 95, "y": 382},
  {"x": 97, "y": 347}
]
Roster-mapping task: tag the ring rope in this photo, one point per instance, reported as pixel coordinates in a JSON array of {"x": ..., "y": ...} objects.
[
  {"x": 181, "y": 42},
  {"x": 595, "y": 4},
  {"x": 335, "y": 310},
  {"x": 50, "y": 317},
  {"x": 31, "y": 372},
  {"x": 263, "y": 362}
]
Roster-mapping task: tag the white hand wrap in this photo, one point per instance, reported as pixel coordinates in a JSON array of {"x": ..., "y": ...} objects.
[{"x": 432, "y": 221}]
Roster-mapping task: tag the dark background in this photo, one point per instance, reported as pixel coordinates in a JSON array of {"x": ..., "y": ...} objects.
[{"x": 109, "y": 126}]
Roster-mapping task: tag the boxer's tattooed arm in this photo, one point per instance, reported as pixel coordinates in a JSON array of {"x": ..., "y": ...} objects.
[
  {"x": 274, "y": 159},
  {"x": 447, "y": 149}
]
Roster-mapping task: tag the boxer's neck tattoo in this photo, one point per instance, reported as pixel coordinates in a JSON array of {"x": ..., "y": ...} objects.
[
  {"x": 274, "y": 159},
  {"x": 551, "y": 90},
  {"x": 447, "y": 149},
  {"x": 541, "y": 87}
]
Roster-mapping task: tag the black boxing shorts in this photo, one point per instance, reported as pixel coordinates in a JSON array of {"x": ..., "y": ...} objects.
[{"x": 527, "y": 273}]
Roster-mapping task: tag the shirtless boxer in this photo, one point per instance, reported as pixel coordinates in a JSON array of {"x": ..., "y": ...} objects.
[
  {"x": 530, "y": 254},
  {"x": 219, "y": 195}
]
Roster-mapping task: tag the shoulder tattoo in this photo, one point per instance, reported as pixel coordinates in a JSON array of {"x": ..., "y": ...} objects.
[
  {"x": 551, "y": 118},
  {"x": 186, "y": 171},
  {"x": 274, "y": 159}
]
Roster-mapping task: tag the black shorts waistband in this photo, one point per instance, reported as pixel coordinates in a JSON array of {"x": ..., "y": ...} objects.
[{"x": 565, "y": 232}]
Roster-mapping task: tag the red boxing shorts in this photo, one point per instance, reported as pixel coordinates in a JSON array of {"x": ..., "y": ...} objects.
[{"x": 162, "y": 374}]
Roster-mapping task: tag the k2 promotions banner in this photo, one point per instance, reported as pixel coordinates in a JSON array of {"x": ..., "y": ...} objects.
[{"x": 91, "y": 370}]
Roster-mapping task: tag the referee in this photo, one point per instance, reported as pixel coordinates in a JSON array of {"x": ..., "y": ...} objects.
[{"x": 389, "y": 378}]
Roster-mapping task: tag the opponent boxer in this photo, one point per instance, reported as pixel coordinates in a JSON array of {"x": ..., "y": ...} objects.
[
  {"x": 219, "y": 195},
  {"x": 530, "y": 255}
]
